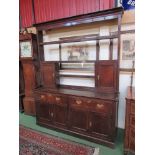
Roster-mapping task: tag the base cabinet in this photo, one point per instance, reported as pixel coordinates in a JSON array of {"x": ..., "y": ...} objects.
[{"x": 86, "y": 117}]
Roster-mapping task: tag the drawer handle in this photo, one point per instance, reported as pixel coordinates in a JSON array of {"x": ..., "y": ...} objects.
[
  {"x": 57, "y": 98},
  {"x": 78, "y": 102},
  {"x": 89, "y": 101},
  {"x": 100, "y": 105},
  {"x": 49, "y": 95},
  {"x": 42, "y": 96}
]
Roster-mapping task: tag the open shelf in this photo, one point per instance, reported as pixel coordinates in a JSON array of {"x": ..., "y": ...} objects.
[{"x": 77, "y": 76}]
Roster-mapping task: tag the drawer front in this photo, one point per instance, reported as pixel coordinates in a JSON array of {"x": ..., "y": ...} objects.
[
  {"x": 102, "y": 106},
  {"x": 60, "y": 100},
  {"x": 43, "y": 98},
  {"x": 94, "y": 105},
  {"x": 78, "y": 102},
  {"x": 132, "y": 107}
]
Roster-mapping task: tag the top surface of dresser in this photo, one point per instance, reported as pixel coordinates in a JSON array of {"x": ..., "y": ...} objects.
[{"x": 81, "y": 93}]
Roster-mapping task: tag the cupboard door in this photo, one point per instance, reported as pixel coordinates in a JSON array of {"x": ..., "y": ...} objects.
[
  {"x": 49, "y": 74},
  {"x": 44, "y": 111},
  {"x": 100, "y": 126},
  {"x": 106, "y": 74},
  {"x": 60, "y": 115},
  {"x": 78, "y": 119}
]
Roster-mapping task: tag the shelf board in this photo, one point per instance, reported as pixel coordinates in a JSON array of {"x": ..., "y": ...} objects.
[
  {"x": 80, "y": 39},
  {"x": 77, "y": 76},
  {"x": 77, "y": 69}
]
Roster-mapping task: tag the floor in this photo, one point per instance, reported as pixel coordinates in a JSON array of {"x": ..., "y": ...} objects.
[{"x": 30, "y": 122}]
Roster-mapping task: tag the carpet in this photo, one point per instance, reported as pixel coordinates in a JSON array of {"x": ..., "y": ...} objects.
[{"x": 32, "y": 142}]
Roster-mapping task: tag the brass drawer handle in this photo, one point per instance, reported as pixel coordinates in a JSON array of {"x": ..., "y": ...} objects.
[
  {"x": 57, "y": 98},
  {"x": 42, "y": 96},
  {"x": 100, "y": 105},
  {"x": 49, "y": 95},
  {"x": 89, "y": 101},
  {"x": 78, "y": 102}
]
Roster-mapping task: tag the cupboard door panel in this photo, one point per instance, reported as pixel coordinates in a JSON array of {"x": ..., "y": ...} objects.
[
  {"x": 106, "y": 74},
  {"x": 60, "y": 115},
  {"x": 43, "y": 111},
  {"x": 49, "y": 74},
  {"x": 132, "y": 139},
  {"x": 29, "y": 76},
  {"x": 99, "y": 125},
  {"x": 78, "y": 120}
]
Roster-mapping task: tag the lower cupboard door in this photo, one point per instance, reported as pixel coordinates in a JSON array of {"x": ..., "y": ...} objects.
[
  {"x": 78, "y": 120},
  {"x": 100, "y": 126},
  {"x": 60, "y": 115},
  {"x": 43, "y": 111}
]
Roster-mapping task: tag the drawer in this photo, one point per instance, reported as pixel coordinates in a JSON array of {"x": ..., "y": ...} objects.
[
  {"x": 132, "y": 120},
  {"x": 102, "y": 106},
  {"x": 43, "y": 97},
  {"x": 79, "y": 102},
  {"x": 57, "y": 99},
  {"x": 91, "y": 104},
  {"x": 132, "y": 107}
]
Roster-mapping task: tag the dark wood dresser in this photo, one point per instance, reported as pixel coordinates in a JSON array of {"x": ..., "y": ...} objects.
[
  {"x": 129, "y": 145},
  {"x": 79, "y": 96}
]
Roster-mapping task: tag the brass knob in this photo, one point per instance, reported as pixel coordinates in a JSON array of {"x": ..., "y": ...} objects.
[
  {"x": 100, "y": 105},
  {"x": 50, "y": 95},
  {"x": 78, "y": 102},
  {"x": 57, "y": 98},
  {"x": 42, "y": 96}
]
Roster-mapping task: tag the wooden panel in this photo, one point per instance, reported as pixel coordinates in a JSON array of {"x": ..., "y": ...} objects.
[
  {"x": 29, "y": 106},
  {"x": 78, "y": 120},
  {"x": 100, "y": 126},
  {"x": 132, "y": 107},
  {"x": 26, "y": 13},
  {"x": 49, "y": 74},
  {"x": 29, "y": 77},
  {"x": 129, "y": 141},
  {"x": 60, "y": 115},
  {"x": 106, "y": 72},
  {"x": 43, "y": 111}
]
